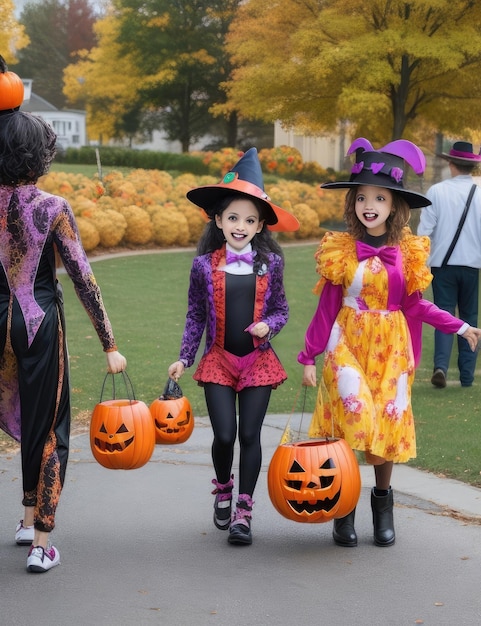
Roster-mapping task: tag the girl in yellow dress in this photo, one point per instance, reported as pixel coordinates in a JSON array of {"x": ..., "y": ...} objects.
[{"x": 368, "y": 323}]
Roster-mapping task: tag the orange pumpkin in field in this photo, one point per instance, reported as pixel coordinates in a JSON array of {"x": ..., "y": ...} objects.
[
  {"x": 122, "y": 433},
  {"x": 172, "y": 415},
  {"x": 11, "y": 88},
  {"x": 314, "y": 481}
]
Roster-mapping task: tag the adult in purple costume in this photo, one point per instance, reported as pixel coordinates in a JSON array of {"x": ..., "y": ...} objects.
[{"x": 34, "y": 376}]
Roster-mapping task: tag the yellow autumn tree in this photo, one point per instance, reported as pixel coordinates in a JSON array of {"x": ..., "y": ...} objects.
[
  {"x": 12, "y": 33},
  {"x": 104, "y": 81},
  {"x": 389, "y": 67}
]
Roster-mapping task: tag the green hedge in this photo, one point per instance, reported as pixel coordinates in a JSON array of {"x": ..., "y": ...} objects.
[
  {"x": 136, "y": 159},
  {"x": 174, "y": 162}
]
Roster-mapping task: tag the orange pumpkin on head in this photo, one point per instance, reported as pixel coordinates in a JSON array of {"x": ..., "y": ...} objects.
[
  {"x": 11, "y": 88},
  {"x": 172, "y": 414}
]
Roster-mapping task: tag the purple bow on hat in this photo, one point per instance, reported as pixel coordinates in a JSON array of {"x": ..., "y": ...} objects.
[
  {"x": 387, "y": 254},
  {"x": 232, "y": 257}
]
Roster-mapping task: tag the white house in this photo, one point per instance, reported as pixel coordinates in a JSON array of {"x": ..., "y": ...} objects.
[{"x": 70, "y": 125}]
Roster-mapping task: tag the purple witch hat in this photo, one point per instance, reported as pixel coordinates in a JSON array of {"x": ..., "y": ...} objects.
[{"x": 385, "y": 168}]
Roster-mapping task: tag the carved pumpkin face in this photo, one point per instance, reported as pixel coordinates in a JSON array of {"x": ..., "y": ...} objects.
[
  {"x": 173, "y": 420},
  {"x": 122, "y": 434},
  {"x": 314, "y": 481}
]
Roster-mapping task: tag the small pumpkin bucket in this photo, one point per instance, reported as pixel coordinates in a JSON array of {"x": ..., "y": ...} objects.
[
  {"x": 122, "y": 432},
  {"x": 172, "y": 415},
  {"x": 313, "y": 480}
]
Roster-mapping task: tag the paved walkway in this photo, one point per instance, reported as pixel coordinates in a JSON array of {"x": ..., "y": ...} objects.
[{"x": 139, "y": 548}]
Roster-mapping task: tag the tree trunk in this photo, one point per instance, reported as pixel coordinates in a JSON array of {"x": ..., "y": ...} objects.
[
  {"x": 232, "y": 125},
  {"x": 438, "y": 164}
]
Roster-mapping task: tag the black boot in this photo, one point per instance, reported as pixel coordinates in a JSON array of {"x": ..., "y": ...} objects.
[
  {"x": 382, "y": 517},
  {"x": 343, "y": 532}
]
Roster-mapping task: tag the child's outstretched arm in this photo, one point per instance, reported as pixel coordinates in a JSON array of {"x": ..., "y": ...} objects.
[{"x": 319, "y": 329}]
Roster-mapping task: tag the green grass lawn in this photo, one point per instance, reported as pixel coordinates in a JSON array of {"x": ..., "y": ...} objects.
[
  {"x": 89, "y": 170},
  {"x": 146, "y": 297}
]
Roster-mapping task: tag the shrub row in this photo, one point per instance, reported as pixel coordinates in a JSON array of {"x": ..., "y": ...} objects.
[
  {"x": 283, "y": 161},
  {"x": 142, "y": 159}
]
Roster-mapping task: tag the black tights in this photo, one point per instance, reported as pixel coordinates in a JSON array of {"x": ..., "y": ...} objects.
[{"x": 221, "y": 405}]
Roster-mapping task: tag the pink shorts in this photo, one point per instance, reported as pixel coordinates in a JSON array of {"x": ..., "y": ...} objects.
[{"x": 260, "y": 368}]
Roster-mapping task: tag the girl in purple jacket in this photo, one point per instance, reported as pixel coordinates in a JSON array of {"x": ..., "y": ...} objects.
[{"x": 236, "y": 295}]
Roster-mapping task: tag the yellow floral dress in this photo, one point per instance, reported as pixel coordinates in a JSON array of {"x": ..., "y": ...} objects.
[{"x": 369, "y": 362}]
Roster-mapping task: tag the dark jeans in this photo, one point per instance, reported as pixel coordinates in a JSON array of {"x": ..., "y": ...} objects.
[{"x": 456, "y": 286}]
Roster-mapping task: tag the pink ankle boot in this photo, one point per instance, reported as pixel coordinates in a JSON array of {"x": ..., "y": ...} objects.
[
  {"x": 240, "y": 526},
  {"x": 223, "y": 503}
]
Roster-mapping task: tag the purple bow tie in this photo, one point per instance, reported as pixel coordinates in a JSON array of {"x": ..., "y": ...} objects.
[
  {"x": 232, "y": 257},
  {"x": 387, "y": 254}
]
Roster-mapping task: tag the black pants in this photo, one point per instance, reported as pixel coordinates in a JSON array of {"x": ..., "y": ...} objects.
[
  {"x": 43, "y": 385},
  {"x": 221, "y": 405}
]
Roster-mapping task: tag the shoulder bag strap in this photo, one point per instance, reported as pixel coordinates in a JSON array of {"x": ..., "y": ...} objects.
[{"x": 460, "y": 226}]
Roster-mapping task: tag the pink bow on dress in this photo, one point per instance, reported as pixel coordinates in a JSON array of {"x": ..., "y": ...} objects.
[{"x": 387, "y": 254}]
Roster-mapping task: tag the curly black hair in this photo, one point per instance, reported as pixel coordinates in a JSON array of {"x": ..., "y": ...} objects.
[
  {"x": 263, "y": 243},
  {"x": 27, "y": 148}
]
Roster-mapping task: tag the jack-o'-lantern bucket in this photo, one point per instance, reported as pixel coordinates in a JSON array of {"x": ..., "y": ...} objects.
[
  {"x": 314, "y": 481},
  {"x": 122, "y": 432},
  {"x": 172, "y": 414}
]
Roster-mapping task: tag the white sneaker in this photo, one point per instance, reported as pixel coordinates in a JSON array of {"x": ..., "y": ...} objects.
[
  {"x": 23, "y": 534},
  {"x": 41, "y": 559}
]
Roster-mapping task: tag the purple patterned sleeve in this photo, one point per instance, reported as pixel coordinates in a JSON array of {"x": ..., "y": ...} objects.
[
  {"x": 67, "y": 240},
  {"x": 196, "y": 312},
  {"x": 276, "y": 309}
]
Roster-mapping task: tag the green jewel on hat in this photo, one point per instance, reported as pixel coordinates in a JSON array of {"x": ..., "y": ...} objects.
[{"x": 229, "y": 177}]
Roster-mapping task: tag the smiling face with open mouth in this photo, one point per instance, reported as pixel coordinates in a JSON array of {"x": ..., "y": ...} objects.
[
  {"x": 373, "y": 206},
  {"x": 239, "y": 223}
]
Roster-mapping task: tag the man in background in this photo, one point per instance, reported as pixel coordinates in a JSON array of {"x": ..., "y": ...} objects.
[{"x": 455, "y": 269}]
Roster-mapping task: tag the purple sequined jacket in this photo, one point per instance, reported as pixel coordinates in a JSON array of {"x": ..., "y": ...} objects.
[
  {"x": 201, "y": 313},
  {"x": 31, "y": 221},
  {"x": 33, "y": 224}
]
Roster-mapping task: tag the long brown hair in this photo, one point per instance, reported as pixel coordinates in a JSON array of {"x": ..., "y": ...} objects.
[{"x": 395, "y": 223}]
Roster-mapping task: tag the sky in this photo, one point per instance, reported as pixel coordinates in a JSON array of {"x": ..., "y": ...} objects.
[{"x": 19, "y": 4}]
